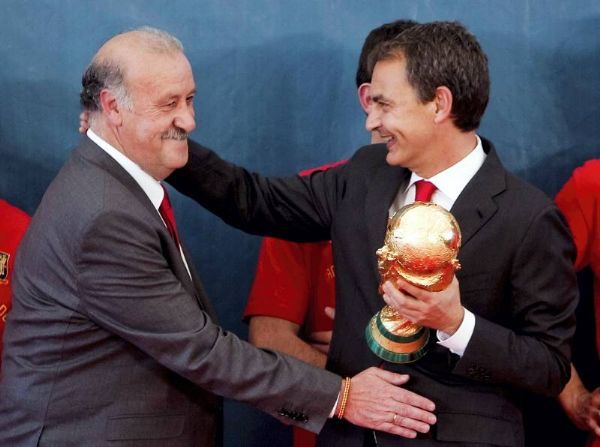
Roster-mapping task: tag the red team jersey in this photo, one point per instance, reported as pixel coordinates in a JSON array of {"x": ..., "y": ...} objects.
[
  {"x": 304, "y": 284},
  {"x": 579, "y": 200},
  {"x": 295, "y": 282},
  {"x": 13, "y": 223}
]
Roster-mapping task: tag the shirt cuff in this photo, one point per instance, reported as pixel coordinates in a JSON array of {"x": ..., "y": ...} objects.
[
  {"x": 457, "y": 342},
  {"x": 332, "y": 413}
]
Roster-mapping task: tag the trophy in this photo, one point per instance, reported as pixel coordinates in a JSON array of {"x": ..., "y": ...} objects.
[{"x": 421, "y": 245}]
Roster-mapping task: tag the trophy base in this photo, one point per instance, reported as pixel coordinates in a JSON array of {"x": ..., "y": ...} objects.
[{"x": 395, "y": 348}]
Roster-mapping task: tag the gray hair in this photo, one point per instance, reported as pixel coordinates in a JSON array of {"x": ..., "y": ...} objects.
[{"x": 107, "y": 73}]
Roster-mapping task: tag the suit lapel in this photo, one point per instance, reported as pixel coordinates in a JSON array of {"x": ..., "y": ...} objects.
[
  {"x": 473, "y": 208},
  {"x": 475, "y": 205},
  {"x": 380, "y": 195},
  {"x": 91, "y": 152},
  {"x": 195, "y": 287}
]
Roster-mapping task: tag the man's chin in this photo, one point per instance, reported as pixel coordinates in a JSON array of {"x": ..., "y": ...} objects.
[
  {"x": 392, "y": 158},
  {"x": 182, "y": 160}
]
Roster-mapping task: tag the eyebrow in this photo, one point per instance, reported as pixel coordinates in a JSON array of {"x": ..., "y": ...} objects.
[
  {"x": 169, "y": 97},
  {"x": 379, "y": 98}
]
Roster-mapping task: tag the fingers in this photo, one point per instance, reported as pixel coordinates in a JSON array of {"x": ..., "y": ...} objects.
[
  {"x": 400, "y": 300},
  {"x": 593, "y": 421},
  {"x": 415, "y": 402},
  {"x": 388, "y": 376},
  {"x": 398, "y": 430},
  {"x": 594, "y": 412},
  {"x": 402, "y": 396},
  {"x": 412, "y": 423},
  {"x": 321, "y": 336},
  {"x": 330, "y": 312},
  {"x": 417, "y": 412},
  {"x": 84, "y": 123}
]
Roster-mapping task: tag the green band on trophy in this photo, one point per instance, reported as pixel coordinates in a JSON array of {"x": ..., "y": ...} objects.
[{"x": 398, "y": 356}]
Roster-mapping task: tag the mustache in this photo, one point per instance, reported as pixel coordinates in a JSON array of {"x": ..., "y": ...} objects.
[{"x": 174, "y": 133}]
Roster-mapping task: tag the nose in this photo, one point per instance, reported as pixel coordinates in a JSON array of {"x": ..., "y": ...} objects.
[
  {"x": 373, "y": 119},
  {"x": 185, "y": 119}
]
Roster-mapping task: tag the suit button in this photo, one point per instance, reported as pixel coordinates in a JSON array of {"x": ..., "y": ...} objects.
[{"x": 294, "y": 415}]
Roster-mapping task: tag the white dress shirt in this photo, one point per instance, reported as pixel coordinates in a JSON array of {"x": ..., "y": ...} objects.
[{"x": 449, "y": 184}]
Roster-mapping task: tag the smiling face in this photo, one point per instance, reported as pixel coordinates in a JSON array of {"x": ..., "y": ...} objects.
[
  {"x": 402, "y": 120},
  {"x": 153, "y": 133}
]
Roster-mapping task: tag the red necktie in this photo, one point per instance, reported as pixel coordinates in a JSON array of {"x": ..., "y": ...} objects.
[
  {"x": 425, "y": 190},
  {"x": 166, "y": 211}
]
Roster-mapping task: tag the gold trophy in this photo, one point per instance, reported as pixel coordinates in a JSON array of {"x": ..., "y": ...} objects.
[{"x": 421, "y": 245}]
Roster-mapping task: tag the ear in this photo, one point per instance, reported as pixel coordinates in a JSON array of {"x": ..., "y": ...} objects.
[
  {"x": 443, "y": 104},
  {"x": 110, "y": 107},
  {"x": 364, "y": 96}
]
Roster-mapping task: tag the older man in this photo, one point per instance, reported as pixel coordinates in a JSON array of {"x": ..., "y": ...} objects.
[
  {"x": 112, "y": 340},
  {"x": 506, "y": 330}
]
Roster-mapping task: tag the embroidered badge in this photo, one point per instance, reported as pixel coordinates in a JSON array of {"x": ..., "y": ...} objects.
[{"x": 4, "y": 267}]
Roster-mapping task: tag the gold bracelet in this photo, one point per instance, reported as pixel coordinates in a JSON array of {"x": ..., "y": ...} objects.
[{"x": 345, "y": 393}]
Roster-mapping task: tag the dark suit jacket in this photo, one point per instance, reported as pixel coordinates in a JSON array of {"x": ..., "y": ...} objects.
[
  {"x": 516, "y": 277},
  {"x": 111, "y": 343}
]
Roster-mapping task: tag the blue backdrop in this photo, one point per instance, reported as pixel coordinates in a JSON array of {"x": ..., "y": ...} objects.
[{"x": 276, "y": 93}]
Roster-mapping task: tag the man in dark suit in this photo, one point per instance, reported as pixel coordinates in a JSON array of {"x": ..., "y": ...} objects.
[
  {"x": 111, "y": 340},
  {"x": 504, "y": 325}
]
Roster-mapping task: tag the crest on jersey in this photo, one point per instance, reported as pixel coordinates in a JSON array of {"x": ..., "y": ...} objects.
[{"x": 4, "y": 267}]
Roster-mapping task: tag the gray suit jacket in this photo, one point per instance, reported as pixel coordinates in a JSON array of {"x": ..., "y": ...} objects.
[
  {"x": 516, "y": 277},
  {"x": 110, "y": 342}
]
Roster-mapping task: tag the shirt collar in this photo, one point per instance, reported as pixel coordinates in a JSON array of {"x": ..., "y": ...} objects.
[
  {"x": 453, "y": 180},
  {"x": 149, "y": 184}
]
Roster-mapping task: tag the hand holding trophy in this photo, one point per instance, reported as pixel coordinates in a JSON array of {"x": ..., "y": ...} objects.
[{"x": 421, "y": 245}]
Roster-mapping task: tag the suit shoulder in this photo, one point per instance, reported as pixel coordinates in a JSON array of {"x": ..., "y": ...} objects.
[
  {"x": 526, "y": 193},
  {"x": 82, "y": 191},
  {"x": 369, "y": 157}
]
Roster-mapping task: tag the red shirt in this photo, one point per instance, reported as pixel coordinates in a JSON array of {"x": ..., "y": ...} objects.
[
  {"x": 13, "y": 223},
  {"x": 579, "y": 200},
  {"x": 295, "y": 281}
]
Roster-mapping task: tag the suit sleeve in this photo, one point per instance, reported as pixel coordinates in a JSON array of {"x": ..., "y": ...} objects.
[
  {"x": 533, "y": 351},
  {"x": 293, "y": 208},
  {"x": 127, "y": 287}
]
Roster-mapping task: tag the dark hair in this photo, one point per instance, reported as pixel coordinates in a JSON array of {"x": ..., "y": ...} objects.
[
  {"x": 97, "y": 76},
  {"x": 377, "y": 36},
  {"x": 443, "y": 54}
]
